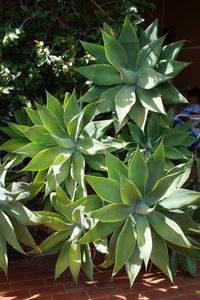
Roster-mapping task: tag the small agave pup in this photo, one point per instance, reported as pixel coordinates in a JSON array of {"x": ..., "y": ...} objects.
[
  {"x": 132, "y": 73},
  {"x": 143, "y": 212},
  {"x": 60, "y": 141}
]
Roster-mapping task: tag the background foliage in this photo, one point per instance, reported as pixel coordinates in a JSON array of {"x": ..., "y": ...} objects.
[{"x": 39, "y": 44}]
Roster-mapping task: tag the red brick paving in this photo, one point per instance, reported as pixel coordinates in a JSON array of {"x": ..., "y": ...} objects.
[{"x": 33, "y": 279}]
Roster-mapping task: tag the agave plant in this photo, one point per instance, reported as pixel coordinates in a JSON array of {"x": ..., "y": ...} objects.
[
  {"x": 62, "y": 139},
  {"x": 132, "y": 73},
  {"x": 70, "y": 223},
  {"x": 143, "y": 212},
  {"x": 176, "y": 139},
  {"x": 14, "y": 216}
]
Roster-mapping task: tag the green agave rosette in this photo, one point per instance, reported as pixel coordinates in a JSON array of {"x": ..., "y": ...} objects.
[
  {"x": 143, "y": 212},
  {"x": 69, "y": 223},
  {"x": 132, "y": 74},
  {"x": 61, "y": 140}
]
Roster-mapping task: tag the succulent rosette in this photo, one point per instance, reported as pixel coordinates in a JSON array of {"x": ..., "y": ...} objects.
[
  {"x": 132, "y": 73},
  {"x": 60, "y": 141},
  {"x": 143, "y": 212}
]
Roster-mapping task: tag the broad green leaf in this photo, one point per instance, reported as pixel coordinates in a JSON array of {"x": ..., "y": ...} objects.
[
  {"x": 99, "y": 231},
  {"x": 96, "y": 162},
  {"x": 53, "y": 240},
  {"x": 9, "y": 131},
  {"x": 33, "y": 115},
  {"x": 159, "y": 254},
  {"x": 149, "y": 35},
  {"x": 136, "y": 134},
  {"x": 138, "y": 171},
  {"x": 66, "y": 209},
  {"x": 41, "y": 176},
  {"x": 62, "y": 262},
  {"x": 115, "y": 53},
  {"x": 31, "y": 149},
  {"x": 93, "y": 94},
  {"x": 138, "y": 114},
  {"x": 14, "y": 144},
  {"x": 113, "y": 212},
  {"x": 173, "y": 153},
  {"x": 186, "y": 167},
  {"x": 115, "y": 167},
  {"x": 168, "y": 229},
  {"x": 107, "y": 99},
  {"x": 66, "y": 142},
  {"x": 101, "y": 74},
  {"x": 151, "y": 100},
  {"x": 129, "y": 192},
  {"x": 149, "y": 78},
  {"x": 170, "y": 95},
  {"x": 38, "y": 133},
  {"x": 90, "y": 146},
  {"x": 149, "y": 54},
  {"x": 92, "y": 203},
  {"x": 43, "y": 159},
  {"x": 184, "y": 220},
  {"x": 95, "y": 50},
  {"x": 129, "y": 77},
  {"x": 90, "y": 111},
  {"x": 106, "y": 188},
  {"x": 3, "y": 255},
  {"x": 87, "y": 262},
  {"x": 126, "y": 237},
  {"x": 171, "y": 68},
  {"x": 50, "y": 122},
  {"x": 78, "y": 168},
  {"x": 144, "y": 238},
  {"x": 96, "y": 129},
  {"x": 165, "y": 187},
  {"x": 133, "y": 265},
  {"x": 124, "y": 100},
  {"x": 180, "y": 198},
  {"x": 75, "y": 259},
  {"x": 19, "y": 129},
  {"x": 172, "y": 50},
  {"x": 8, "y": 232},
  {"x": 58, "y": 171},
  {"x": 128, "y": 39},
  {"x": 75, "y": 125},
  {"x": 156, "y": 165},
  {"x": 71, "y": 109},
  {"x": 55, "y": 107}
]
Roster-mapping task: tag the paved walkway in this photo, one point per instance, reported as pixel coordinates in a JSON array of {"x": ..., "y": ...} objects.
[{"x": 33, "y": 279}]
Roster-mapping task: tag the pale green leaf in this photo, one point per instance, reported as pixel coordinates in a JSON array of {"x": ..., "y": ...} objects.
[
  {"x": 149, "y": 78},
  {"x": 75, "y": 259},
  {"x": 124, "y": 100},
  {"x": 106, "y": 188},
  {"x": 113, "y": 212},
  {"x": 144, "y": 238},
  {"x": 168, "y": 229},
  {"x": 151, "y": 99},
  {"x": 62, "y": 262},
  {"x": 115, "y": 167},
  {"x": 43, "y": 159},
  {"x": 128, "y": 39},
  {"x": 101, "y": 74},
  {"x": 126, "y": 237},
  {"x": 115, "y": 53},
  {"x": 138, "y": 171},
  {"x": 129, "y": 192}
]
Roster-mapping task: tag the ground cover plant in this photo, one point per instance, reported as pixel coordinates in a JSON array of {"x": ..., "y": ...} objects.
[{"x": 112, "y": 165}]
